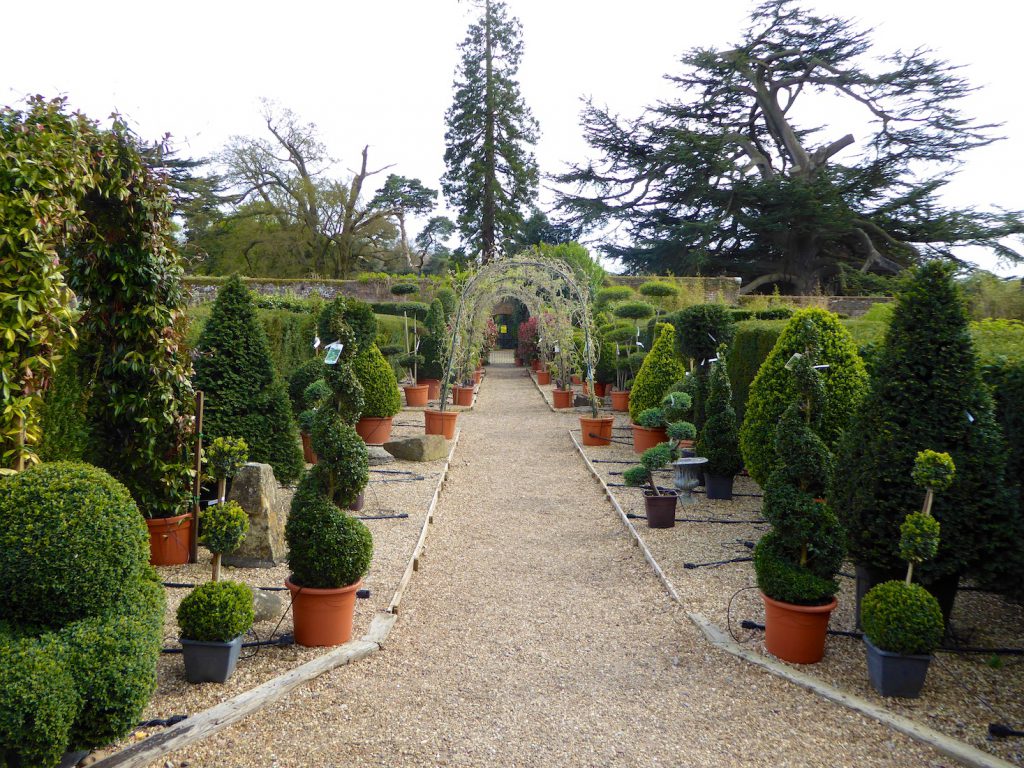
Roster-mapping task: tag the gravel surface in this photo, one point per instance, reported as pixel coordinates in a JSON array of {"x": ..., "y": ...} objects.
[{"x": 536, "y": 635}]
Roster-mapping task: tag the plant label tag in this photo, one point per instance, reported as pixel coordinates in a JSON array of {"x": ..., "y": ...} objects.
[
  {"x": 316, "y": 342},
  {"x": 333, "y": 353}
]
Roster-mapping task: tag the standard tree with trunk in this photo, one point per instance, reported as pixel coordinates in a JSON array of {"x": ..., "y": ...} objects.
[
  {"x": 491, "y": 175},
  {"x": 745, "y": 174}
]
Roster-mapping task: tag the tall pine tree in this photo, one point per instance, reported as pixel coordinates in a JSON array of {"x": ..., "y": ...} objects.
[{"x": 492, "y": 174}]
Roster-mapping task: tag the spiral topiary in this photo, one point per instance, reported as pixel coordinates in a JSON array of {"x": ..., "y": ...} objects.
[
  {"x": 659, "y": 371},
  {"x": 72, "y": 544},
  {"x": 380, "y": 387},
  {"x": 217, "y": 611},
  {"x": 902, "y": 618},
  {"x": 301, "y": 378}
]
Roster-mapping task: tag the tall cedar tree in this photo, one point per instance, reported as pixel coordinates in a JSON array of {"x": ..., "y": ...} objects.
[
  {"x": 243, "y": 396},
  {"x": 492, "y": 175},
  {"x": 733, "y": 177},
  {"x": 926, "y": 393}
]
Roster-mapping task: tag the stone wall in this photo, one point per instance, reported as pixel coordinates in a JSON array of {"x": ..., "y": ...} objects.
[{"x": 849, "y": 306}]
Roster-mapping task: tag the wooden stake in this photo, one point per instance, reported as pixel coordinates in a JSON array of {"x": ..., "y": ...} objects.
[{"x": 193, "y": 545}]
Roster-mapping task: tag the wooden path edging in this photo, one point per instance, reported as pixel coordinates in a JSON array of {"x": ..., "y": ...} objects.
[
  {"x": 206, "y": 723},
  {"x": 947, "y": 745}
]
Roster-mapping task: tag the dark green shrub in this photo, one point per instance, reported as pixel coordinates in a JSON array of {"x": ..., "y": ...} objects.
[
  {"x": 604, "y": 370},
  {"x": 64, "y": 424},
  {"x": 222, "y": 527},
  {"x": 244, "y": 396},
  {"x": 613, "y": 294},
  {"x": 700, "y": 330},
  {"x": 380, "y": 387},
  {"x": 797, "y": 561},
  {"x": 217, "y": 611},
  {"x": 634, "y": 310},
  {"x": 404, "y": 289},
  {"x": 660, "y": 370},
  {"x": 844, "y": 382},
  {"x": 902, "y": 618},
  {"x": 327, "y": 549},
  {"x": 774, "y": 313},
  {"x": 620, "y": 332},
  {"x": 927, "y": 394},
  {"x": 739, "y": 315},
  {"x": 301, "y": 378},
  {"x": 226, "y": 455},
  {"x": 72, "y": 544},
  {"x": 658, "y": 289},
  {"x": 432, "y": 347},
  {"x": 719, "y": 439},
  {"x": 289, "y": 338},
  {"x": 652, "y": 459},
  {"x": 753, "y": 342},
  {"x": 449, "y": 301},
  {"x": 343, "y": 469},
  {"x": 306, "y": 419},
  {"x": 317, "y": 393},
  {"x": 38, "y": 700},
  {"x": 412, "y": 309},
  {"x": 652, "y": 418}
]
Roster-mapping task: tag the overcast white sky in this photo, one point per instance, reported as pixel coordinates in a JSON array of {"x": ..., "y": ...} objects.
[{"x": 380, "y": 72}]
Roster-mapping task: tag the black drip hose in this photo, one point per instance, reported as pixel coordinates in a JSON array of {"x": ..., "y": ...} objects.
[
  {"x": 714, "y": 520},
  {"x": 747, "y": 624},
  {"x": 691, "y": 566}
]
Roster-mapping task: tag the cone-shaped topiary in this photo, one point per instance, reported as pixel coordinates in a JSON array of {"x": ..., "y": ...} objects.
[
  {"x": 926, "y": 393},
  {"x": 432, "y": 347},
  {"x": 844, "y": 381},
  {"x": 380, "y": 386},
  {"x": 719, "y": 439},
  {"x": 660, "y": 370},
  {"x": 797, "y": 560},
  {"x": 244, "y": 397}
]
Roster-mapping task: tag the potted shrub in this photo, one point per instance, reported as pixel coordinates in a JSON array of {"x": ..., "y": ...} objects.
[
  {"x": 433, "y": 346},
  {"x": 902, "y": 621},
  {"x": 796, "y": 562},
  {"x": 719, "y": 439},
  {"x": 700, "y": 330},
  {"x": 222, "y": 529},
  {"x": 660, "y": 370},
  {"x": 381, "y": 399},
  {"x": 438, "y": 421},
  {"x": 660, "y": 507},
  {"x": 416, "y": 394},
  {"x": 213, "y": 618}
]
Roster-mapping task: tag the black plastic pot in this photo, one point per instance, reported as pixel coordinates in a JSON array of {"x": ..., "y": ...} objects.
[
  {"x": 718, "y": 486},
  {"x": 661, "y": 510},
  {"x": 896, "y": 674},
  {"x": 210, "y": 662}
]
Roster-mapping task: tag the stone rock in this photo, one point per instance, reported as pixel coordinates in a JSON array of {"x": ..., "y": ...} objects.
[
  {"x": 378, "y": 455},
  {"x": 580, "y": 400},
  {"x": 268, "y": 605},
  {"x": 256, "y": 490},
  {"x": 418, "y": 448}
]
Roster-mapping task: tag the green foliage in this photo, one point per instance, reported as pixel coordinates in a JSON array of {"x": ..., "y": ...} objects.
[
  {"x": 990, "y": 296},
  {"x": 636, "y": 476},
  {"x": 327, "y": 549},
  {"x": 613, "y": 294},
  {"x": 343, "y": 468},
  {"x": 919, "y": 537},
  {"x": 38, "y": 700},
  {"x": 244, "y": 396},
  {"x": 65, "y": 429},
  {"x": 844, "y": 382},
  {"x": 58, "y": 517},
  {"x": 661, "y": 368},
  {"x": 216, "y": 612},
  {"x": 680, "y": 430},
  {"x": 751, "y": 346},
  {"x": 413, "y": 309},
  {"x": 633, "y": 310},
  {"x": 701, "y": 329},
  {"x": 404, "y": 289},
  {"x": 774, "y": 313},
  {"x": 926, "y": 393},
  {"x": 318, "y": 392},
  {"x": 222, "y": 527},
  {"x": 652, "y": 459},
  {"x": 449, "y": 301},
  {"x": 902, "y": 618},
  {"x": 587, "y": 270},
  {"x": 226, "y": 455},
  {"x": 678, "y": 403},
  {"x": 604, "y": 369},
  {"x": 301, "y": 378},
  {"x": 998, "y": 339},
  {"x": 933, "y": 470},
  {"x": 652, "y": 418},
  {"x": 380, "y": 387},
  {"x": 433, "y": 345},
  {"x": 658, "y": 290},
  {"x": 719, "y": 439}
]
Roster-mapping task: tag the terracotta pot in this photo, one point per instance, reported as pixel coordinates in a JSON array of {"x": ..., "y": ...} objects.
[
  {"x": 478, "y": 375},
  {"x": 644, "y": 438},
  {"x": 373, "y": 430},
  {"x": 575, "y": 379},
  {"x": 416, "y": 395},
  {"x": 620, "y": 400},
  {"x": 169, "y": 539},
  {"x": 308, "y": 454},
  {"x": 440, "y": 423},
  {"x": 462, "y": 396},
  {"x": 600, "y": 388},
  {"x": 322, "y": 616},
  {"x": 601, "y": 426},
  {"x": 433, "y": 388},
  {"x": 796, "y": 633},
  {"x": 535, "y": 365},
  {"x": 543, "y": 378},
  {"x": 661, "y": 510},
  {"x": 562, "y": 398}
]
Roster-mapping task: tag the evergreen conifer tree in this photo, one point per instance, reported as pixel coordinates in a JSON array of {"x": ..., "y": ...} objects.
[
  {"x": 492, "y": 174},
  {"x": 243, "y": 396}
]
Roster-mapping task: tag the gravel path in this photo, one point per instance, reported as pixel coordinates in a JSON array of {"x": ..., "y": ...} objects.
[{"x": 536, "y": 635}]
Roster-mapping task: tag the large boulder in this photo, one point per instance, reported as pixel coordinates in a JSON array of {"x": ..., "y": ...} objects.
[
  {"x": 378, "y": 456},
  {"x": 418, "y": 448},
  {"x": 256, "y": 490}
]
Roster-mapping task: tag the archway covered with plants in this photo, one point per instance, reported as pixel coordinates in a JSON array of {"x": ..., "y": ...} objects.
[{"x": 88, "y": 269}]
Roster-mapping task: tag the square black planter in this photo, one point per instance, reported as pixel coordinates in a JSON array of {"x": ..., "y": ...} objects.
[
  {"x": 210, "y": 662},
  {"x": 896, "y": 674}
]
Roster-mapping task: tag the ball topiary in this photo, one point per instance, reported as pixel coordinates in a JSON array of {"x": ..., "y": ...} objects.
[
  {"x": 222, "y": 527},
  {"x": 226, "y": 455},
  {"x": 902, "y": 618},
  {"x": 634, "y": 310},
  {"x": 658, "y": 289},
  {"x": 38, "y": 699},
  {"x": 404, "y": 289},
  {"x": 217, "y": 611},
  {"x": 612, "y": 294},
  {"x": 327, "y": 549},
  {"x": 72, "y": 544},
  {"x": 380, "y": 386},
  {"x": 244, "y": 397},
  {"x": 659, "y": 371},
  {"x": 844, "y": 382},
  {"x": 701, "y": 329}
]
